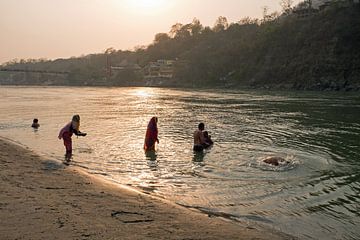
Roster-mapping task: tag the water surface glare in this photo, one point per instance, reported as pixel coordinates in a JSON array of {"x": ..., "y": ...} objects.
[{"x": 316, "y": 196}]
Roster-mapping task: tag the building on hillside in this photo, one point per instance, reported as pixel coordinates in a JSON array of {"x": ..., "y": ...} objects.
[
  {"x": 158, "y": 73},
  {"x": 160, "y": 68},
  {"x": 310, "y": 7},
  {"x": 321, "y": 4},
  {"x": 125, "y": 65}
]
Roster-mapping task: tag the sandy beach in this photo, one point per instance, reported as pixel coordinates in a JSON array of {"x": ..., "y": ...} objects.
[{"x": 44, "y": 199}]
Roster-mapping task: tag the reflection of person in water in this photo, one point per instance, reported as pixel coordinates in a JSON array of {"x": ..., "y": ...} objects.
[
  {"x": 151, "y": 136},
  {"x": 200, "y": 142},
  {"x": 35, "y": 123},
  {"x": 275, "y": 161},
  {"x": 67, "y": 132}
]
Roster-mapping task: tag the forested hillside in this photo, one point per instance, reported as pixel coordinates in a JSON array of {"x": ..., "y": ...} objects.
[{"x": 303, "y": 49}]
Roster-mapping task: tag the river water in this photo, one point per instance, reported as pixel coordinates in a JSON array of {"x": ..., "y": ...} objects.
[{"x": 315, "y": 196}]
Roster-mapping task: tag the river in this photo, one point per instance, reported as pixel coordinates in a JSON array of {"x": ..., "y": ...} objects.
[{"x": 315, "y": 196}]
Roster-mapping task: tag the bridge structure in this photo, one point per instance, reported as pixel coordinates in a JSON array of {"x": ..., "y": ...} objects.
[
  {"x": 33, "y": 76},
  {"x": 32, "y": 71}
]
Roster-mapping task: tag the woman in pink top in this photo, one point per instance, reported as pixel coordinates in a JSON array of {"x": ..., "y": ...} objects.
[{"x": 66, "y": 133}]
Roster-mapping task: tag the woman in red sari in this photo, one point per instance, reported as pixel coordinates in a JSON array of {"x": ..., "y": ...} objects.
[{"x": 151, "y": 135}]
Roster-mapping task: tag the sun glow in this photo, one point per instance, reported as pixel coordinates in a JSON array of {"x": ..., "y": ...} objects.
[{"x": 148, "y": 6}]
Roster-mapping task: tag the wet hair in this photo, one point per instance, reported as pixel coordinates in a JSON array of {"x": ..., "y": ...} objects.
[
  {"x": 35, "y": 120},
  {"x": 201, "y": 126},
  {"x": 76, "y": 118}
]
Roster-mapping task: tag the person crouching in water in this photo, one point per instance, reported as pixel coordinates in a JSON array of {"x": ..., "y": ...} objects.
[
  {"x": 200, "y": 142},
  {"x": 66, "y": 133},
  {"x": 151, "y": 135}
]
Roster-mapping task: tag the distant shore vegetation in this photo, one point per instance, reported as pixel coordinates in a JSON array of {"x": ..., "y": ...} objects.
[{"x": 302, "y": 47}]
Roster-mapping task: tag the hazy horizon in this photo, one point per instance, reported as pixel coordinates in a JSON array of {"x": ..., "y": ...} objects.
[{"x": 62, "y": 29}]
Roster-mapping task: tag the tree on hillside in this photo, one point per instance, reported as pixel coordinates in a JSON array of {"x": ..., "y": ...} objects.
[
  {"x": 265, "y": 10},
  {"x": 221, "y": 24},
  {"x": 161, "y": 37},
  {"x": 268, "y": 17},
  {"x": 286, "y": 6},
  {"x": 307, "y": 4},
  {"x": 196, "y": 27},
  {"x": 181, "y": 31},
  {"x": 247, "y": 21},
  {"x": 110, "y": 50},
  {"x": 175, "y": 29}
]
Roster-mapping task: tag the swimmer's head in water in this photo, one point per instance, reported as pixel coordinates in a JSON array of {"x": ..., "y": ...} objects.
[{"x": 276, "y": 161}]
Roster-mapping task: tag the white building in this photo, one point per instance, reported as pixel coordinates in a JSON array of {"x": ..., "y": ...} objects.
[{"x": 160, "y": 68}]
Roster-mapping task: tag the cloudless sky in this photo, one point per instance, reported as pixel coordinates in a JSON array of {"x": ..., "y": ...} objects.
[{"x": 64, "y": 28}]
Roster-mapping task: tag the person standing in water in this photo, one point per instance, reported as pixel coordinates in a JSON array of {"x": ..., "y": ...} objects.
[
  {"x": 66, "y": 133},
  {"x": 151, "y": 136},
  {"x": 199, "y": 139}
]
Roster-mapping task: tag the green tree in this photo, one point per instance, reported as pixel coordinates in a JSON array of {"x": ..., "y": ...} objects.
[
  {"x": 221, "y": 24},
  {"x": 286, "y": 6},
  {"x": 196, "y": 27},
  {"x": 161, "y": 37}
]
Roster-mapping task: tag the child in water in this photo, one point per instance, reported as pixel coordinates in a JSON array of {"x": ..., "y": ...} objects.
[
  {"x": 35, "y": 123},
  {"x": 207, "y": 138},
  {"x": 66, "y": 133}
]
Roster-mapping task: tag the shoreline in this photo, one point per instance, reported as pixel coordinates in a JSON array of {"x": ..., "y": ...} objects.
[
  {"x": 44, "y": 199},
  {"x": 270, "y": 88}
]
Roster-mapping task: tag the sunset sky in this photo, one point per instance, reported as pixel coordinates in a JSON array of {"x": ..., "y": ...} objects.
[{"x": 64, "y": 28}]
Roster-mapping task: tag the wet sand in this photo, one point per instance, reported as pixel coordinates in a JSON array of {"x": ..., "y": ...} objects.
[{"x": 44, "y": 199}]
